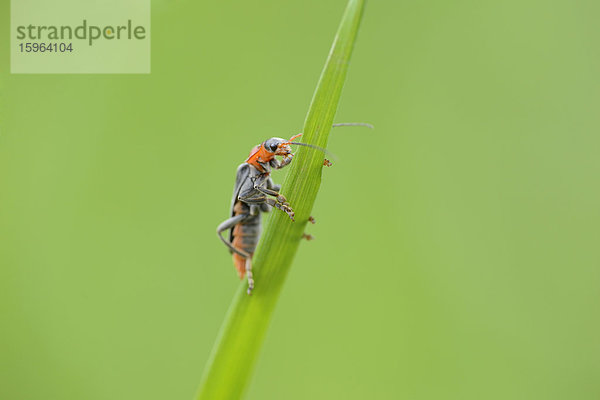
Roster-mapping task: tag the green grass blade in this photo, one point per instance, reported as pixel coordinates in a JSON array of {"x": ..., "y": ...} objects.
[{"x": 234, "y": 355}]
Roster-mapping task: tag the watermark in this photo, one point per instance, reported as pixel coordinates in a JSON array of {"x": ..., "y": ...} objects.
[{"x": 80, "y": 36}]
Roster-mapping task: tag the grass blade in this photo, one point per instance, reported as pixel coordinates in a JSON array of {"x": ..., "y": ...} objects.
[{"x": 230, "y": 365}]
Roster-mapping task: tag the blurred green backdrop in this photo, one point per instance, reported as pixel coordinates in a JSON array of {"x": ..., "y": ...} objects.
[{"x": 457, "y": 245}]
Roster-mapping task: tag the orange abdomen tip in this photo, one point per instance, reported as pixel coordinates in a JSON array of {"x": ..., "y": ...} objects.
[{"x": 240, "y": 265}]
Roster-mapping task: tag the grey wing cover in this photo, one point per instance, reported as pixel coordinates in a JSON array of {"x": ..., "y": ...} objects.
[{"x": 240, "y": 177}]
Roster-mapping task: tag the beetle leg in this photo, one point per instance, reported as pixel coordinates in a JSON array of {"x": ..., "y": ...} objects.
[
  {"x": 249, "y": 275},
  {"x": 307, "y": 236},
  {"x": 261, "y": 184},
  {"x": 311, "y": 219},
  {"x": 272, "y": 185},
  {"x": 285, "y": 207},
  {"x": 270, "y": 192},
  {"x": 229, "y": 224},
  {"x": 285, "y": 160}
]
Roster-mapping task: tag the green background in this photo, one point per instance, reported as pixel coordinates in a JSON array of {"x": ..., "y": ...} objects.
[{"x": 457, "y": 245}]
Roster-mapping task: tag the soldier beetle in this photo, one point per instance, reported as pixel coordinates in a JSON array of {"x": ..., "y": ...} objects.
[{"x": 255, "y": 192}]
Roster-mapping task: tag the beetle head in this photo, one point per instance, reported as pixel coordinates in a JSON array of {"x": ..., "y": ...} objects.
[
  {"x": 270, "y": 148},
  {"x": 279, "y": 146}
]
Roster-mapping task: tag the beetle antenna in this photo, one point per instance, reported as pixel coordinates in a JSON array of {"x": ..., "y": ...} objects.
[
  {"x": 353, "y": 124},
  {"x": 295, "y": 137},
  {"x": 312, "y": 146},
  {"x": 291, "y": 140}
]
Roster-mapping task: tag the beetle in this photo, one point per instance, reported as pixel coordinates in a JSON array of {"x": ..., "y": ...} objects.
[{"x": 255, "y": 192}]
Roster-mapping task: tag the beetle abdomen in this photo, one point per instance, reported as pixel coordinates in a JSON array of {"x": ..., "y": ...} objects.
[{"x": 245, "y": 236}]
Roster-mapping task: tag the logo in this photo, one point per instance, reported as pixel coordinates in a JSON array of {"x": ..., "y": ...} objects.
[
  {"x": 85, "y": 31},
  {"x": 83, "y": 36}
]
